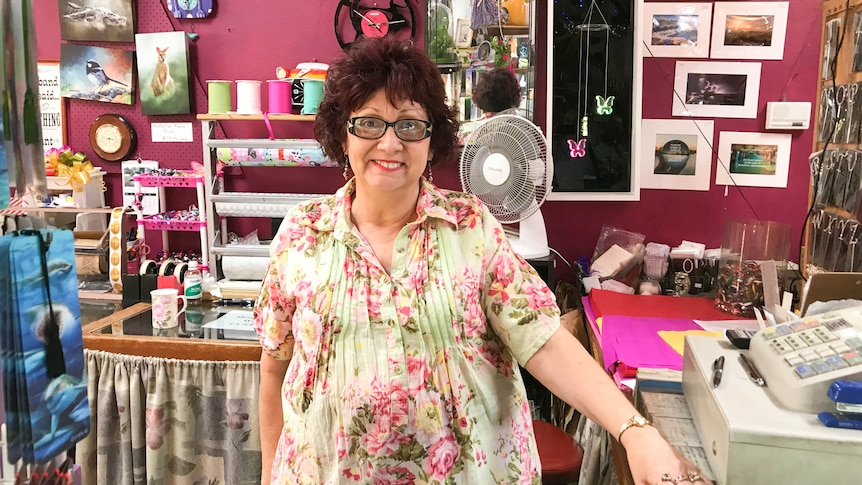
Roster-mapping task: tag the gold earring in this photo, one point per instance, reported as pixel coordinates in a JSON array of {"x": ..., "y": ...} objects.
[
  {"x": 430, "y": 174},
  {"x": 346, "y": 168}
]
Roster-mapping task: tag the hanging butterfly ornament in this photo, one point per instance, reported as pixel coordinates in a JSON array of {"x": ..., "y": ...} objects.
[{"x": 604, "y": 103}]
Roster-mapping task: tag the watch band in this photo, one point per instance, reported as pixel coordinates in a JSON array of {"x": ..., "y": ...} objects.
[{"x": 636, "y": 421}]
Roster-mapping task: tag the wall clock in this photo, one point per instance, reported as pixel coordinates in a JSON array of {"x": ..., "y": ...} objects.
[
  {"x": 355, "y": 19},
  {"x": 112, "y": 137}
]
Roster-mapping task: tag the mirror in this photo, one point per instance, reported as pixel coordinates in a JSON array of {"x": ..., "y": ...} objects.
[{"x": 468, "y": 37}]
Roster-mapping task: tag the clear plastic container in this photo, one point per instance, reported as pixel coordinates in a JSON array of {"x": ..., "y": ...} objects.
[{"x": 744, "y": 246}]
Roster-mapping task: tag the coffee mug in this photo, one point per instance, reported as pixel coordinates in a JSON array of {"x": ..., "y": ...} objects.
[{"x": 165, "y": 307}]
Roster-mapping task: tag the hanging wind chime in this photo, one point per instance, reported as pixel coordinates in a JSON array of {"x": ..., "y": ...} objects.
[{"x": 604, "y": 103}]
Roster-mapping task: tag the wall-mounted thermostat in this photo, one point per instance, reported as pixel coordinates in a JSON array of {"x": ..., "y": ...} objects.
[{"x": 785, "y": 115}]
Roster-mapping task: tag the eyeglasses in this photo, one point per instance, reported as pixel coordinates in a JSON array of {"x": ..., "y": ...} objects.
[{"x": 371, "y": 128}]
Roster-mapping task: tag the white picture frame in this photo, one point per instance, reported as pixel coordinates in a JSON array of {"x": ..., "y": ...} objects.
[
  {"x": 716, "y": 89},
  {"x": 749, "y": 30},
  {"x": 753, "y": 159},
  {"x": 676, "y": 29},
  {"x": 463, "y": 33},
  {"x": 664, "y": 165}
]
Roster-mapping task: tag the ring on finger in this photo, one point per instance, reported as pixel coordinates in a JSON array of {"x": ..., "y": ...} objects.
[
  {"x": 694, "y": 477},
  {"x": 665, "y": 477}
]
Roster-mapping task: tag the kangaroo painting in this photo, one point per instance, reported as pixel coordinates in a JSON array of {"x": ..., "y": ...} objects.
[
  {"x": 163, "y": 83},
  {"x": 163, "y": 73}
]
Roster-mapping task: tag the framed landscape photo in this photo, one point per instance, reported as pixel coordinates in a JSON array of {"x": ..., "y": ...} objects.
[
  {"x": 676, "y": 29},
  {"x": 676, "y": 154},
  {"x": 753, "y": 159},
  {"x": 716, "y": 89},
  {"x": 749, "y": 30}
]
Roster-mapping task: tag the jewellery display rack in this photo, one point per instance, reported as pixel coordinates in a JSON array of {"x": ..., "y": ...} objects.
[
  {"x": 160, "y": 222},
  {"x": 222, "y": 204}
]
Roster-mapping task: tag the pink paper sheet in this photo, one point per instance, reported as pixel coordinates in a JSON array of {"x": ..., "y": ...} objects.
[{"x": 635, "y": 341}]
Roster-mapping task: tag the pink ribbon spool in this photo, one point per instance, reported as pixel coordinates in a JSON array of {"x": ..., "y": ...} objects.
[{"x": 279, "y": 96}]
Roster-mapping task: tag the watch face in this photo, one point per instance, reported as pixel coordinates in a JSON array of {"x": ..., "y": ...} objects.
[{"x": 355, "y": 19}]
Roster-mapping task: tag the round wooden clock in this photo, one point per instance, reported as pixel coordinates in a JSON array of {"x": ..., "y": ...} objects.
[
  {"x": 355, "y": 19},
  {"x": 112, "y": 137}
]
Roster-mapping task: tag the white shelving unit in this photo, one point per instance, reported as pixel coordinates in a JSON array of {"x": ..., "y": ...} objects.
[
  {"x": 158, "y": 223},
  {"x": 222, "y": 204}
]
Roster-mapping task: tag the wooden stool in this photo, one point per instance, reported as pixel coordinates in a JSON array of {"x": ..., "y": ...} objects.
[{"x": 559, "y": 454}]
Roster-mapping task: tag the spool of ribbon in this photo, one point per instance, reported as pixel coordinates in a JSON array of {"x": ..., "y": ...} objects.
[
  {"x": 313, "y": 94},
  {"x": 218, "y": 93},
  {"x": 278, "y": 96},
  {"x": 248, "y": 97}
]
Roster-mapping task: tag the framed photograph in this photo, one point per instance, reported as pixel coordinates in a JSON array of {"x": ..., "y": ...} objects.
[
  {"x": 716, "y": 89},
  {"x": 51, "y": 105},
  {"x": 463, "y": 33},
  {"x": 753, "y": 159},
  {"x": 749, "y": 30},
  {"x": 676, "y": 29},
  {"x": 101, "y": 20},
  {"x": 676, "y": 154}
]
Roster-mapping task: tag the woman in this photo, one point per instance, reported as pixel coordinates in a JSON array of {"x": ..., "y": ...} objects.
[
  {"x": 404, "y": 312},
  {"x": 496, "y": 90}
]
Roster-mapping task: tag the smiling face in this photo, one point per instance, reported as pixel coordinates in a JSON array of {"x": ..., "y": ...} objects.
[{"x": 388, "y": 164}]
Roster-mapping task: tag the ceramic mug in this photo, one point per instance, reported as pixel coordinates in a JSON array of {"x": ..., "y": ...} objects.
[{"x": 165, "y": 311}]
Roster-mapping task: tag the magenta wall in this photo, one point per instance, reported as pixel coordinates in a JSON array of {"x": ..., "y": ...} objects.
[{"x": 247, "y": 40}]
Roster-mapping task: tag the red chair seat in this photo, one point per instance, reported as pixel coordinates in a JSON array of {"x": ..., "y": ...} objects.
[{"x": 559, "y": 454}]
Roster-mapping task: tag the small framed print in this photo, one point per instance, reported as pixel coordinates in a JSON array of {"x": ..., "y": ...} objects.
[
  {"x": 463, "y": 33},
  {"x": 676, "y": 154},
  {"x": 716, "y": 89},
  {"x": 676, "y": 29},
  {"x": 753, "y": 159},
  {"x": 749, "y": 30}
]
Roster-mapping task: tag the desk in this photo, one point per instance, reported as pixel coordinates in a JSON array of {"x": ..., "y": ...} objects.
[{"x": 171, "y": 407}]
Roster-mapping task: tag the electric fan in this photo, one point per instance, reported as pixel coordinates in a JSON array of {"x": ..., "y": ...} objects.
[{"x": 505, "y": 162}]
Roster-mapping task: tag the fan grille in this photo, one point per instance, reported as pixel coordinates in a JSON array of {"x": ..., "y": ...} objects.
[{"x": 506, "y": 164}]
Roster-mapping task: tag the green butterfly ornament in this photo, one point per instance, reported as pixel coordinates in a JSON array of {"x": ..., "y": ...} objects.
[{"x": 604, "y": 106}]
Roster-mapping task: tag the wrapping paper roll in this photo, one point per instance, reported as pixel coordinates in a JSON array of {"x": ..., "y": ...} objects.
[
  {"x": 290, "y": 157},
  {"x": 88, "y": 264},
  {"x": 244, "y": 267}
]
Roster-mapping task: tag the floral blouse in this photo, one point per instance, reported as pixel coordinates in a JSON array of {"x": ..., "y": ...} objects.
[{"x": 409, "y": 376}]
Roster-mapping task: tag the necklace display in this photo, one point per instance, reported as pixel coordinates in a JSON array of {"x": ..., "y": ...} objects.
[{"x": 604, "y": 103}]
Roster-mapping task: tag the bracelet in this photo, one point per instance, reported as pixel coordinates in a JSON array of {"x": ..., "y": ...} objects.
[{"x": 636, "y": 421}]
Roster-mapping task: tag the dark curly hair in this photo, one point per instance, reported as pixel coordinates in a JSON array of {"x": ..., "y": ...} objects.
[
  {"x": 496, "y": 90},
  {"x": 405, "y": 72}
]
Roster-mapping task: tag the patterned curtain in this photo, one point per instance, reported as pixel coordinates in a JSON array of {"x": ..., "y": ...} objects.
[{"x": 160, "y": 421}]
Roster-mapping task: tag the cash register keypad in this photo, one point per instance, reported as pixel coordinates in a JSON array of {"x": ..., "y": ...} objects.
[{"x": 811, "y": 347}]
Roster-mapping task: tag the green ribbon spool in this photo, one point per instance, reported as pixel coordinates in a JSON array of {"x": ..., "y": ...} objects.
[{"x": 218, "y": 97}]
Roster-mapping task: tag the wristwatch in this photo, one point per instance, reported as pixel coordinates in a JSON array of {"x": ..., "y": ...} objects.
[{"x": 636, "y": 421}]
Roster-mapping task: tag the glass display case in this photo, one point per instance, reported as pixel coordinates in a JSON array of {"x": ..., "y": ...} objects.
[{"x": 466, "y": 38}]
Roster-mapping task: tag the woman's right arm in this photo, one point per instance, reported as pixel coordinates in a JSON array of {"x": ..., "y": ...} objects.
[{"x": 272, "y": 373}]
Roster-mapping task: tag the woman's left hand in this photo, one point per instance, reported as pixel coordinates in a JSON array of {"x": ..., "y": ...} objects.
[{"x": 653, "y": 461}]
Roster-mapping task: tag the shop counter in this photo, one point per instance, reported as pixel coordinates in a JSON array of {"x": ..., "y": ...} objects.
[{"x": 169, "y": 406}]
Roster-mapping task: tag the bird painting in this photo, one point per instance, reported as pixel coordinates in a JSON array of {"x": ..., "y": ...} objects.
[
  {"x": 96, "y": 73},
  {"x": 98, "y": 77}
]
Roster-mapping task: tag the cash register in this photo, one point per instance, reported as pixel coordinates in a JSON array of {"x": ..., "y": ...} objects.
[{"x": 758, "y": 422}]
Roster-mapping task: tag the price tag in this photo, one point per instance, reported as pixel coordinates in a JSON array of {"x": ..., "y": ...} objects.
[{"x": 171, "y": 132}]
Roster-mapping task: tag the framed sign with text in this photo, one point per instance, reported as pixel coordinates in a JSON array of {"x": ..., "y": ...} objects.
[{"x": 51, "y": 105}]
